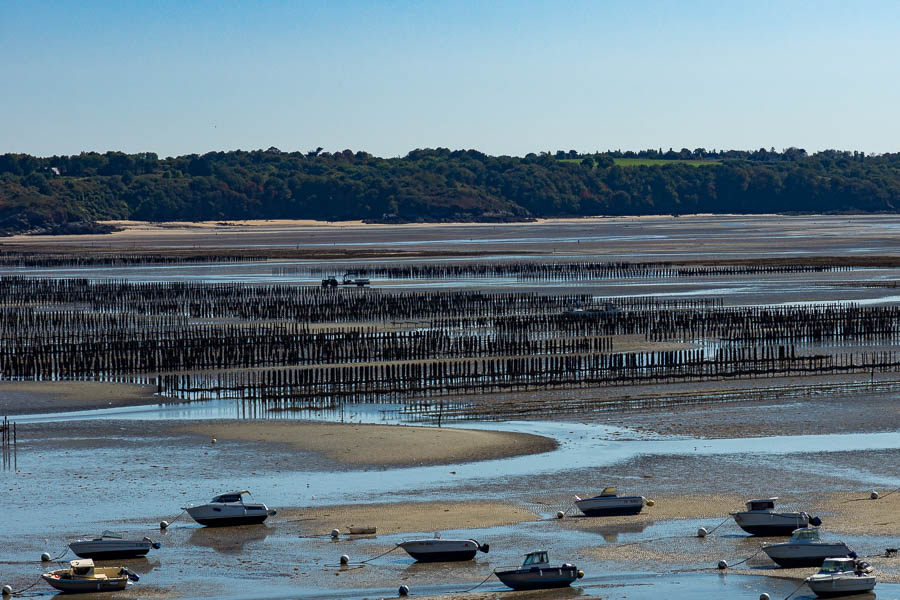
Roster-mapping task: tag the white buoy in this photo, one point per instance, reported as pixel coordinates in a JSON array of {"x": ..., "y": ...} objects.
[
  {"x": 345, "y": 559},
  {"x": 403, "y": 591},
  {"x": 7, "y": 591},
  {"x": 45, "y": 557},
  {"x": 873, "y": 495},
  {"x": 163, "y": 524},
  {"x": 702, "y": 532},
  {"x": 335, "y": 534},
  {"x": 764, "y": 596},
  {"x": 214, "y": 440},
  {"x": 722, "y": 564},
  {"x": 560, "y": 514}
]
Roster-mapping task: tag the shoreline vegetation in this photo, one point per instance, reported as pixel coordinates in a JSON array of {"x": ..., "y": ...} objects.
[{"x": 76, "y": 194}]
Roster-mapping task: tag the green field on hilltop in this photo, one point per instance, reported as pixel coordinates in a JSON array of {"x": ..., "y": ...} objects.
[{"x": 650, "y": 162}]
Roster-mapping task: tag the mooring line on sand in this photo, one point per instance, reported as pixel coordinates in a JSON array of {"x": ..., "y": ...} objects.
[
  {"x": 724, "y": 564},
  {"x": 796, "y": 590},
  {"x": 483, "y": 581},
  {"x": 368, "y": 560},
  {"x": 873, "y": 496},
  {"x": 728, "y": 518}
]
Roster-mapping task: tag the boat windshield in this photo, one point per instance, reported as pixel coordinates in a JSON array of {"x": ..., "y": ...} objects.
[
  {"x": 835, "y": 566},
  {"x": 810, "y": 535},
  {"x": 536, "y": 558},
  {"x": 112, "y": 534},
  {"x": 227, "y": 498}
]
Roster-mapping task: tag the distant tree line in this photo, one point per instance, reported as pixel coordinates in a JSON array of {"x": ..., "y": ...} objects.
[{"x": 62, "y": 193}]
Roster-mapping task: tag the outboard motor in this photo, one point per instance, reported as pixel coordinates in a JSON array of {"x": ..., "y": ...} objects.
[
  {"x": 815, "y": 521},
  {"x": 484, "y": 547},
  {"x": 853, "y": 554},
  {"x": 131, "y": 574}
]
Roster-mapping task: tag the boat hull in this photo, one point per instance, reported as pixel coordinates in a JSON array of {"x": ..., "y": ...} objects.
[
  {"x": 804, "y": 555},
  {"x": 104, "y": 550},
  {"x": 538, "y": 578},
  {"x": 229, "y": 521},
  {"x": 58, "y": 580},
  {"x": 841, "y": 586},
  {"x": 771, "y": 524},
  {"x": 610, "y": 506},
  {"x": 225, "y": 515},
  {"x": 441, "y": 550}
]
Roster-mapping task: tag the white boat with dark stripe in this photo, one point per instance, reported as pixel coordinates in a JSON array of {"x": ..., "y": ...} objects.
[
  {"x": 229, "y": 509},
  {"x": 760, "y": 518},
  {"x": 537, "y": 574},
  {"x": 609, "y": 503},
  {"x": 441, "y": 550},
  {"x": 111, "y": 544},
  {"x": 842, "y": 577},
  {"x": 806, "y": 549}
]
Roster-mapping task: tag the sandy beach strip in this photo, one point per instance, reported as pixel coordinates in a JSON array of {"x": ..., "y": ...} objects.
[
  {"x": 29, "y": 397},
  {"x": 380, "y": 445},
  {"x": 407, "y": 517}
]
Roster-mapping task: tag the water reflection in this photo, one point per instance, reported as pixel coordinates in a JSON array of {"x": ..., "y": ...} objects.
[{"x": 228, "y": 540}]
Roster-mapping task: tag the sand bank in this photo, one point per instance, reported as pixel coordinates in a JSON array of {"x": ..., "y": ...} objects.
[
  {"x": 27, "y": 397},
  {"x": 412, "y": 517},
  {"x": 381, "y": 445}
]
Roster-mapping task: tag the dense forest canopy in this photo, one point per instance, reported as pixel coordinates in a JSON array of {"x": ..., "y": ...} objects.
[{"x": 63, "y": 193}]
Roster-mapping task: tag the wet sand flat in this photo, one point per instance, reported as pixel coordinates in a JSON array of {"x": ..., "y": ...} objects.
[
  {"x": 27, "y": 397},
  {"x": 381, "y": 445},
  {"x": 408, "y": 517},
  {"x": 719, "y": 237}
]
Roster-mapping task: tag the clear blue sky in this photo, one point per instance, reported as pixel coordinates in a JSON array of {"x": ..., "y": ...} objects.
[{"x": 504, "y": 77}]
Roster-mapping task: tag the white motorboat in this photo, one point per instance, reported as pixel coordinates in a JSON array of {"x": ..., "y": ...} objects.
[
  {"x": 609, "y": 503},
  {"x": 83, "y": 576},
  {"x": 440, "y": 550},
  {"x": 536, "y": 573},
  {"x": 806, "y": 549},
  {"x": 842, "y": 577},
  {"x": 229, "y": 509},
  {"x": 760, "y": 518},
  {"x": 112, "y": 545}
]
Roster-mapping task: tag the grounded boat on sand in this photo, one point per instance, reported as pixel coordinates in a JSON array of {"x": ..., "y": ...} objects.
[
  {"x": 842, "y": 577},
  {"x": 609, "y": 503},
  {"x": 536, "y": 573},
  {"x": 83, "y": 576},
  {"x": 440, "y": 550},
  {"x": 806, "y": 549},
  {"x": 111, "y": 544},
  {"x": 229, "y": 509},
  {"x": 760, "y": 518}
]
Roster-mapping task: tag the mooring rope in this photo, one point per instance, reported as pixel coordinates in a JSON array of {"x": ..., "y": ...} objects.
[
  {"x": 758, "y": 550},
  {"x": 795, "y": 591},
  {"x": 61, "y": 554},
  {"x": 728, "y": 518},
  {"x": 181, "y": 514},
  {"x": 483, "y": 581},
  {"x": 368, "y": 560},
  {"x": 870, "y": 498}
]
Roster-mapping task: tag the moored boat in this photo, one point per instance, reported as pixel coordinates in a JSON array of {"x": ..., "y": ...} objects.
[
  {"x": 112, "y": 545},
  {"x": 536, "y": 573},
  {"x": 229, "y": 509},
  {"x": 441, "y": 550},
  {"x": 760, "y": 518},
  {"x": 83, "y": 576},
  {"x": 842, "y": 577},
  {"x": 609, "y": 503},
  {"x": 806, "y": 549}
]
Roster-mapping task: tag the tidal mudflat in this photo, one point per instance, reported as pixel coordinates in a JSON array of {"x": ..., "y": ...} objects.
[{"x": 697, "y": 433}]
